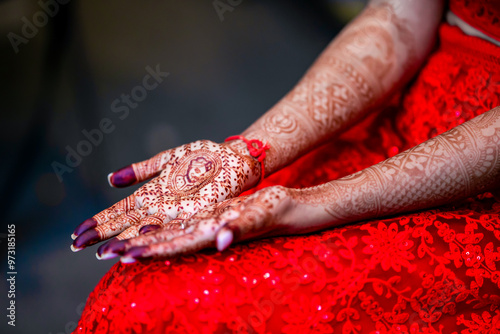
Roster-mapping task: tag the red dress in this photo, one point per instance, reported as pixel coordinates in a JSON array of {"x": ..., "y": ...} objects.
[{"x": 433, "y": 271}]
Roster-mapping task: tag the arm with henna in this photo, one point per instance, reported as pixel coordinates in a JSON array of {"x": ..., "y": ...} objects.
[
  {"x": 457, "y": 164},
  {"x": 368, "y": 60},
  {"x": 360, "y": 69}
]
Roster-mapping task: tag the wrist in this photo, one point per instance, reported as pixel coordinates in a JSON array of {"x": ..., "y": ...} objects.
[
  {"x": 253, "y": 147},
  {"x": 308, "y": 209}
]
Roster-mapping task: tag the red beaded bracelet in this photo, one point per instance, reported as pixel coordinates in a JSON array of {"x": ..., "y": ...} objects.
[{"x": 257, "y": 150}]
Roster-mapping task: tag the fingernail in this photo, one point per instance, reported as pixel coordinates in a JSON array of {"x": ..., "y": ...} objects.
[
  {"x": 224, "y": 239},
  {"x": 103, "y": 249},
  {"x": 87, "y": 238},
  {"x": 86, "y": 225},
  {"x": 109, "y": 179},
  {"x": 125, "y": 259},
  {"x": 115, "y": 246},
  {"x": 104, "y": 253},
  {"x": 133, "y": 254},
  {"x": 148, "y": 228},
  {"x": 122, "y": 177},
  {"x": 106, "y": 256},
  {"x": 74, "y": 249}
]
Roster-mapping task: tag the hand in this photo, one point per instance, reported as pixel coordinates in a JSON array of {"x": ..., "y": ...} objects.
[
  {"x": 189, "y": 178},
  {"x": 262, "y": 214}
]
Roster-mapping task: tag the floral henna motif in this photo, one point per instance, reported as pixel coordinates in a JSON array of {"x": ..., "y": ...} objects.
[
  {"x": 459, "y": 163},
  {"x": 192, "y": 177},
  {"x": 220, "y": 224}
]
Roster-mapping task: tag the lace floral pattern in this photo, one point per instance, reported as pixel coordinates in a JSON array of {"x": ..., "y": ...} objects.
[
  {"x": 420, "y": 273},
  {"x": 482, "y": 14},
  {"x": 434, "y": 271}
]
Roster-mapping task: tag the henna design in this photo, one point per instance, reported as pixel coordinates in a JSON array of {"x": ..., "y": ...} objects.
[
  {"x": 246, "y": 218},
  {"x": 455, "y": 165},
  {"x": 354, "y": 74},
  {"x": 451, "y": 166},
  {"x": 192, "y": 177},
  {"x": 193, "y": 172}
]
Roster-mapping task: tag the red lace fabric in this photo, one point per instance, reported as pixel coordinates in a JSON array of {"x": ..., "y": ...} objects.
[
  {"x": 483, "y": 15},
  {"x": 434, "y": 271}
]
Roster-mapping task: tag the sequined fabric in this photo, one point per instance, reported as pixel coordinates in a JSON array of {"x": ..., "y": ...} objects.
[
  {"x": 434, "y": 271},
  {"x": 481, "y": 14}
]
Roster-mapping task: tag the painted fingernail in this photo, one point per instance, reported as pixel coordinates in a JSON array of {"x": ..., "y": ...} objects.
[
  {"x": 87, "y": 238},
  {"x": 75, "y": 249},
  {"x": 224, "y": 239},
  {"x": 86, "y": 225},
  {"x": 116, "y": 246},
  {"x": 134, "y": 254},
  {"x": 122, "y": 177},
  {"x": 102, "y": 252},
  {"x": 148, "y": 228},
  {"x": 106, "y": 256}
]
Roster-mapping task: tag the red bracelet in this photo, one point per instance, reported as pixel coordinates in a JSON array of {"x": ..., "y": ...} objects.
[{"x": 257, "y": 150}]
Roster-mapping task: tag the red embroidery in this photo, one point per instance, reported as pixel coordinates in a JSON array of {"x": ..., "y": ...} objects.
[
  {"x": 481, "y": 14},
  {"x": 434, "y": 271}
]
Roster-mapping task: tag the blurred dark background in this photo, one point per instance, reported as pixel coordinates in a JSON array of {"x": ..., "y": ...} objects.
[{"x": 62, "y": 67}]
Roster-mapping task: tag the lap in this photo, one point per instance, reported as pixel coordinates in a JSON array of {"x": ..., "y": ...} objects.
[{"x": 434, "y": 269}]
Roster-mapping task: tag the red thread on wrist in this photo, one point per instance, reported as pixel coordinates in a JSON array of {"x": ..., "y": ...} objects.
[{"x": 257, "y": 150}]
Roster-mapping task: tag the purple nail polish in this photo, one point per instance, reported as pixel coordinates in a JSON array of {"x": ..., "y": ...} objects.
[
  {"x": 123, "y": 177},
  {"x": 116, "y": 246},
  {"x": 86, "y": 225},
  {"x": 148, "y": 228},
  {"x": 103, "y": 249},
  {"x": 136, "y": 252},
  {"x": 87, "y": 238}
]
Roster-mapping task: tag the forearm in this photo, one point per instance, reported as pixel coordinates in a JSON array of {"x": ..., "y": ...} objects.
[
  {"x": 362, "y": 66},
  {"x": 457, "y": 164}
]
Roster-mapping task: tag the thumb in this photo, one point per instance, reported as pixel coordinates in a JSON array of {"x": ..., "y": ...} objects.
[
  {"x": 140, "y": 171},
  {"x": 224, "y": 238}
]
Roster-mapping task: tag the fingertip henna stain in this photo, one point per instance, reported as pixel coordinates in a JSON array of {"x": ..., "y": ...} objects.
[
  {"x": 86, "y": 225},
  {"x": 123, "y": 177},
  {"x": 134, "y": 254},
  {"x": 87, "y": 238},
  {"x": 114, "y": 246},
  {"x": 149, "y": 228}
]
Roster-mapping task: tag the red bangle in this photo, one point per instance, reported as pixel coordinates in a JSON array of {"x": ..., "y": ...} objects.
[{"x": 257, "y": 150}]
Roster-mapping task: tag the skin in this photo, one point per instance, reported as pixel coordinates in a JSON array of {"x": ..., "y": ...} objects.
[
  {"x": 361, "y": 69},
  {"x": 190, "y": 178},
  {"x": 452, "y": 166}
]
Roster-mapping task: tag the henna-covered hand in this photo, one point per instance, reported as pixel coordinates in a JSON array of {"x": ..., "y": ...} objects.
[
  {"x": 259, "y": 215},
  {"x": 187, "y": 179},
  {"x": 459, "y": 163}
]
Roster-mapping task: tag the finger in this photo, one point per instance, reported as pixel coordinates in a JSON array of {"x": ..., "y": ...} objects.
[
  {"x": 156, "y": 219},
  {"x": 108, "y": 229},
  {"x": 225, "y": 235},
  {"x": 245, "y": 223},
  {"x": 224, "y": 239},
  {"x": 125, "y": 205},
  {"x": 183, "y": 244},
  {"x": 175, "y": 223},
  {"x": 199, "y": 234},
  {"x": 139, "y": 171},
  {"x": 116, "y": 246},
  {"x": 121, "y": 223}
]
